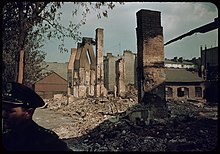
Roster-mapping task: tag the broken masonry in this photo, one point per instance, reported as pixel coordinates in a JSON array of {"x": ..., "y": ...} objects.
[
  {"x": 85, "y": 70},
  {"x": 150, "y": 67}
]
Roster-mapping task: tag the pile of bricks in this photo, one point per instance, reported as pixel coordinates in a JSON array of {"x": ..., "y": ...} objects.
[
  {"x": 102, "y": 124},
  {"x": 88, "y": 112}
]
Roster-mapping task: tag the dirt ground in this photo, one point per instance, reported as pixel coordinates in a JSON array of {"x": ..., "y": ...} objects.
[
  {"x": 51, "y": 119},
  {"x": 54, "y": 120},
  {"x": 85, "y": 126}
]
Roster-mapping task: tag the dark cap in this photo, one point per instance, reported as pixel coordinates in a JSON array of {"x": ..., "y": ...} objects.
[{"x": 19, "y": 94}]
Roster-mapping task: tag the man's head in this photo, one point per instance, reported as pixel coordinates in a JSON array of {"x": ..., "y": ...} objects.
[
  {"x": 19, "y": 103},
  {"x": 15, "y": 116}
]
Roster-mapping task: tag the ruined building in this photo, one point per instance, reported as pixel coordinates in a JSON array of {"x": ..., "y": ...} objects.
[
  {"x": 85, "y": 70},
  {"x": 109, "y": 74},
  {"x": 150, "y": 67},
  {"x": 130, "y": 70},
  {"x": 209, "y": 72}
]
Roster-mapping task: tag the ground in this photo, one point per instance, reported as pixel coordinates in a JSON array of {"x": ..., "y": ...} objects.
[{"x": 94, "y": 125}]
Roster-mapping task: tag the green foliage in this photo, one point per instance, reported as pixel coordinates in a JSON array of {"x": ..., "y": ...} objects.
[
  {"x": 26, "y": 25},
  {"x": 33, "y": 63},
  {"x": 51, "y": 27},
  {"x": 18, "y": 23}
]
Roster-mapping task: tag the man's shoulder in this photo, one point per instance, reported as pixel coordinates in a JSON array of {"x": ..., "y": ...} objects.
[
  {"x": 45, "y": 132},
  {"x": 34, "y": 138},
  {"x": 49, "y": 139}
]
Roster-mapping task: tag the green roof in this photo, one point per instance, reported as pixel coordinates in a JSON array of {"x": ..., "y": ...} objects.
[
  {"x": 181, "y": 75},
  {"x": 59, "y": 68}
]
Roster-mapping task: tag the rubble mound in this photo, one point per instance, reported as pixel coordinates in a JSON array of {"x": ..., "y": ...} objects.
[
  {"x": 186, "y": 134},
  {"x": 103, "y": 124},
  {"x": 87, "y": 113}
]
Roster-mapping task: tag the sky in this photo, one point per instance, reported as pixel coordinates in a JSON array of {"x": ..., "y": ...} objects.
[{"x": 177, "y": 18}]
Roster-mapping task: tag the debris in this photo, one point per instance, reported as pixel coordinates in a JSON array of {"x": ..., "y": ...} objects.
[{"x": 106, "y": 126}]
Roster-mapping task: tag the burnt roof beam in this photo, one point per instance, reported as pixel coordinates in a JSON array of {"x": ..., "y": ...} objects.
[{"x": 202, "y": 29}]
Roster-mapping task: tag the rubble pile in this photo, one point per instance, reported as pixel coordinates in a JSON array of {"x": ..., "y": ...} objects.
[
  {"x": 102, "y": 124},
  {"x": 192, "y": 109},
  {"x": 87, "y": 112},
  {"x": 186, "y": 134}
]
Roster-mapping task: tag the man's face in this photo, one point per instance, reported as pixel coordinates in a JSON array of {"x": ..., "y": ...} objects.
[{"x": 13, "y": 116}]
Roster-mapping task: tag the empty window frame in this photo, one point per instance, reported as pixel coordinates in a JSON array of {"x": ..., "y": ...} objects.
[
  {"x": 183, "y": 92},
  {"x": 169, "y": 92},
  {"x": 198, "y": 92}
]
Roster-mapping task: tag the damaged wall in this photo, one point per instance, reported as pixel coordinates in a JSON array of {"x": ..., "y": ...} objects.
[
  {"x": 84, "y": 69},
  {"x": 150, "y": 57},
  {"x": 100, "y": 90},
  {"x": 120, "y": 77},
  {"x": 109, "y": 71},
  {"x": 209, "y": 72},
  {"x": 130, "y": 69},
  {"x": 70, "y": 70}
]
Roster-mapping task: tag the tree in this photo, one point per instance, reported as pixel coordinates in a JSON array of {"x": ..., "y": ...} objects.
[
  {"x": 27, "y": 24},
  {"x": 33, "y": 65}
]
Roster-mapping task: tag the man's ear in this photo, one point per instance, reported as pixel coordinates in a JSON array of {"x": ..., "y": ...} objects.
[{"x": 30, "y": 112}]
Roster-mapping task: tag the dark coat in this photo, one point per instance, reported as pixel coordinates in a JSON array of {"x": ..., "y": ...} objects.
[{"x": 33, "y": 138}]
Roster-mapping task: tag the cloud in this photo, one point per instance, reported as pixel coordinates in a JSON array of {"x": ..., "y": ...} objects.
[
  {"x": 185, "y": 17},
  {"x": 176, "y": 18}
]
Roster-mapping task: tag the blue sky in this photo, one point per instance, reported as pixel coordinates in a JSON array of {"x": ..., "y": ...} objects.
[{"x": 120, "y": 28}]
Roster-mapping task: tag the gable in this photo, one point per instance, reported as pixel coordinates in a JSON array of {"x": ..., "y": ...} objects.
[
  {"x": 52, "y": 78},
  {"x": 59, "y": 68}
]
